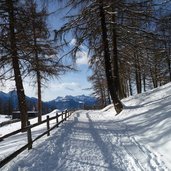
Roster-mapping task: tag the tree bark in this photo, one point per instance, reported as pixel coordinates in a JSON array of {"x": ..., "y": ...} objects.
[
  {"x": 168, "y": 59},
  {"x": 39, "y": 105},
  {"x": 108, "y": 69},
  {"x": 38, "y": 75},
  {"x": 115, "y": 58},
  {"x": 16, "y": 67},
  {"x": 138, "y": 74},
  {"x": 130, "y": 86},
  {"x": 144, "y": 82},
  {"x": 102, "y": 92},
  {"x": 39, "y": 97}
]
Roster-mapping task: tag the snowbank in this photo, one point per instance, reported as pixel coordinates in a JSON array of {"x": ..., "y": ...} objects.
[{"x": 138, "y": 139}]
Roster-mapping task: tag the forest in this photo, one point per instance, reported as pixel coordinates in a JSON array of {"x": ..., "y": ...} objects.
[{"x": 128, "y": 42}]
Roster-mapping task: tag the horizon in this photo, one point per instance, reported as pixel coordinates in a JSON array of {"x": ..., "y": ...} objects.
[
  {"x": 71, "y": 83},
  {"x": 51, "y": 99}
]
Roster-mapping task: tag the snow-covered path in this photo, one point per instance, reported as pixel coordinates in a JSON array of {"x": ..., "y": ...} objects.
[{"x": 90, "y": 141}]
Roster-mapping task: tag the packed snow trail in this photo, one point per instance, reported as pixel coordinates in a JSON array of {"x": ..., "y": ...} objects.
[{"x": 89, "y": 141}]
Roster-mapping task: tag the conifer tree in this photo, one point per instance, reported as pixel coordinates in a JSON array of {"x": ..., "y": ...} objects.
[{"x": 9, "y": 59}]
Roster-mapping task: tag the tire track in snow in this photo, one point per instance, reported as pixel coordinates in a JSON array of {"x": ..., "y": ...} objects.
[
  {"x": 134, "y": 155},
  {"x": 103, "y": 146},
  {"x": 146, "y": 159},
  {"x": 116, "y": 151},
  {"x": 153, "y": 160}
]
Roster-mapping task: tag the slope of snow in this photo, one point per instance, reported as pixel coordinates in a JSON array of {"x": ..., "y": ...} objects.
[
  {"x": 139, "y": 139},
  {"x": 4, "y": 118},
  {"x": 14, "y": 126},
  {"x": 148, "y": 118},
  {"x": 15, "y": 142}
]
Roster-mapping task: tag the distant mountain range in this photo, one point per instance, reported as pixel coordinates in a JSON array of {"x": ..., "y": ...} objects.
[
  {"x": 73, "y": 102},
  {"x": 9, "y": 103}
]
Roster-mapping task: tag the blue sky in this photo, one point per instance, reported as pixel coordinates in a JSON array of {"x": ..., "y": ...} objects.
[{"x": 72, "y": 83}]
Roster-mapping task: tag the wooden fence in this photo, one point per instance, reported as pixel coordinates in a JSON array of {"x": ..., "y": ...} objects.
[
  {"x": 64, "y": 115},
  {"x": 9, "y": 122}
]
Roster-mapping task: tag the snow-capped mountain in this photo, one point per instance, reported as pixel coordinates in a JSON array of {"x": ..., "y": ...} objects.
[
  {"x": 138, "y": 139},
  {"x": 9, "y": 102},
  {"x": 73, "y": 102},
  {"x": 81, "y": 98},
  {"x": 4, "y": 95}
]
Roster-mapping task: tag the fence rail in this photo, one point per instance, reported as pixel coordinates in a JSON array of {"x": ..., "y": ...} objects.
[
  {"x": 9, "y": 122},
  {"x": 64, "y": 115}
]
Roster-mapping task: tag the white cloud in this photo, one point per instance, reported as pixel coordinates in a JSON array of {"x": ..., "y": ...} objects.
[
  {"x": 82, "y": 57},
  {"x": 7, "y": 86},
  {"x": 73, "y": 42},
  {"x": 63, "y": 86}
]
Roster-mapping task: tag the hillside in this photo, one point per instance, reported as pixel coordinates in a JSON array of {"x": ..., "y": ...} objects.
[
  {"x": 9, "y": 103},
  {"x": 139, "y": 139},
  {"x": 73, "y": 102}
]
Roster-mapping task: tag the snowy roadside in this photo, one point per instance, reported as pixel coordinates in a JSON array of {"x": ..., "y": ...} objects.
[
  {"x": 90, "y": 140},
  {"x": 4, "y": 118},
  {"x": 13, "y": 143},
  {"x": 148, "y": 119},
  {"x": 139, "y": 139},
  {"x": 14, "y": 126}
]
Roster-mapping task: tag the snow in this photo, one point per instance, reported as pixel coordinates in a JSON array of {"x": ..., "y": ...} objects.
[
  {"x": 138, "y": 139},
  {"x": 14, "y": 126},
  {"x": 4, "y": 118}
]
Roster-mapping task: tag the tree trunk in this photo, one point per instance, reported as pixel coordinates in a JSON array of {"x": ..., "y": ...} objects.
[
  {"x": 153, "y": 79},
  {"x": 39, "y": 97},
  {"x": 115, "y": 58},
  {"x": 168, "y": 59},
  {"x": 15, "y": 63},
  {"x": 144, "y": 82},
  {"x": 39, "y": 105},
  {"x": 108, "y": 97},
  {"x": 138, "y": 74},
  {"x": 130, "y": 86},
  {"x": 108, "y": 69}
]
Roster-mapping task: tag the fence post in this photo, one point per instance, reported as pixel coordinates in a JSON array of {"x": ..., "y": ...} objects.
[
  {"x": 57, "y": 118},
  {"x": 48, "y": 127},
  {"x": 29, "y": 137},
  {"x": 65, "y": 115},
  {"x": 62, "y": 117}
]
